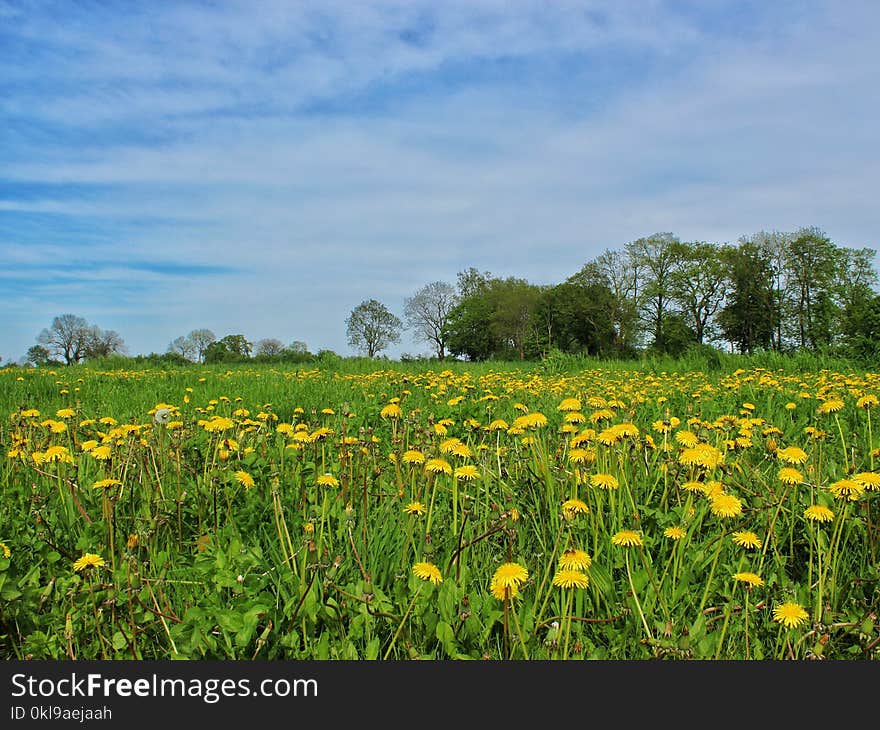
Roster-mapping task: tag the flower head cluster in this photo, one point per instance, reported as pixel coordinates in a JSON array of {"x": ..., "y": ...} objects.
[{"x": 507, "y": 580}]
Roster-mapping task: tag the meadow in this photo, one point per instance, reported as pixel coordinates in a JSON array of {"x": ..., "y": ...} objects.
[{"x": 380, "y": 510}]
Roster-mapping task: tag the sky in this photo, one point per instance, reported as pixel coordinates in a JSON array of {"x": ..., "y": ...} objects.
[{"x": 261, "y": 168}]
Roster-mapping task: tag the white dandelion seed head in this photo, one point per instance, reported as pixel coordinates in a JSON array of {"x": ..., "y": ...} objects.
[{"x": 162, "y": 416}]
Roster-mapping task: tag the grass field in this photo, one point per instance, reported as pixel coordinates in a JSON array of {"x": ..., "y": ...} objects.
[{"x": 430, "y": 511}]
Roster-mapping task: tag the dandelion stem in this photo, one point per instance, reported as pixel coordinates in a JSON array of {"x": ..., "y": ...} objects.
[
  {"x": 519, "y": 633},
  {"x": 711, "y": 575},
  {"x": 402, "y": 622},
  {"x": 636, "y": 598},
  {"x": 567, "y": 623},
  {"x": 843, "y": 444}
]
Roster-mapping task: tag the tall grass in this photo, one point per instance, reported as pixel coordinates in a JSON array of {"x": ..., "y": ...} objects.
[{"x": 291, "y": 530}]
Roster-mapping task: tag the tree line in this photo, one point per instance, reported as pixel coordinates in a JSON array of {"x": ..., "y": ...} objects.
[{"x": 779, "y": 291}]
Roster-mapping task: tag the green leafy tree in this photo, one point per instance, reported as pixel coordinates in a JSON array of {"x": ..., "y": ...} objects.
[
  {"x": 620, "y": 274},
  {"x": 574, "y": 314},
  {"x": 744, "y": 319},
  {"x": 655, "y": 258},
  {"x": 371, "y": 327},
  {"x": 813, "y": 265},
  {"x": 231, "y": 348},
  {"x": 468, "y": 332},
  {"x": 697, "y": 284},
  {"x": 38, "y": 355},
  {"x": 513, "y": 325}
]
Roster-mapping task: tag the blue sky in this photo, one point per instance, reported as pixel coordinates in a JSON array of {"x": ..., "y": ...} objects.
[{"x": 263, "y": 167}]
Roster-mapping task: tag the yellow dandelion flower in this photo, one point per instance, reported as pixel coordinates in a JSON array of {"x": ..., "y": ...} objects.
[
  {"x": 88, "y": 561},
  {"x": 751, "y": 579},
  {"x": 832, "y": 405},
  {"x": 791, "y": 455},
  {"x": 725, "y": 505},
  {"x": 868, "y": 479},
  {"x": 468, "y": 473},
  {"x": 65, "y": 413},
  {"x": 448, "y": 445},
  {"x": 243, "y": 478},
  {"x": 608, "y": 437},
  {"x": 567, "y": 578},
  {"x": 428, "y": 572},
  {"x": 57, "y": 454},
  {"x": 106, "y": 484},
  {"x": 438, "y": 466},
  {"x": 503, "y": 593},
  {"x": 327, "y": 480},
  {"x": 704, "y": 455},
  {"x": 866, "y": 401},
  {"x": 580, "y": 456},
  {"x": 415, "y": 508},
  {"x": 603, "y": 414},
  {"x": 674, "y": 533},
  {"x": 746, "y": 539},
  {"x": 686, "y": 438},
  {"x": 571, "y": 508},
  {"x": 711, "y": 488},
  {"x": 4, "y": 550},
  {"x": 666, "y": 425},
  {"x": 847, "y": 489},
  {"x": 507, "y": 579},
  {"x": 790, "y": 475},
  {"x": 412, "y": 456},
  {"x": 790, "y": 614},
  {"x": 392, "y": 410},
  {"x": 627, "y": 429},
  {"x": 530, "y": 420},
  {"x": 627, "y": 538},
  {"x": 320, "y": 433},
  {"x": 462, "y": 450},
  {"x": 569, "y": 404},
  {"x": 217, "y": 424},
  {"x": 818, "y": 513},
  {"x": 604, "y": 481},
  {"x": 499, "y": 424},
  {"x": 575, "y": 559},
  {"x": 585, "y": 436}
]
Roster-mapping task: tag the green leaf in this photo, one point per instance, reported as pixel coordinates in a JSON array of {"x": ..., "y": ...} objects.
[
  {"x": 446, "y": 637},
  {"x": 372, "y": 650}
]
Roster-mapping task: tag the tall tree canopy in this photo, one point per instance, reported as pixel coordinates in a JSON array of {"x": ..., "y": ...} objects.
[{"x": 371, "y": 327}]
